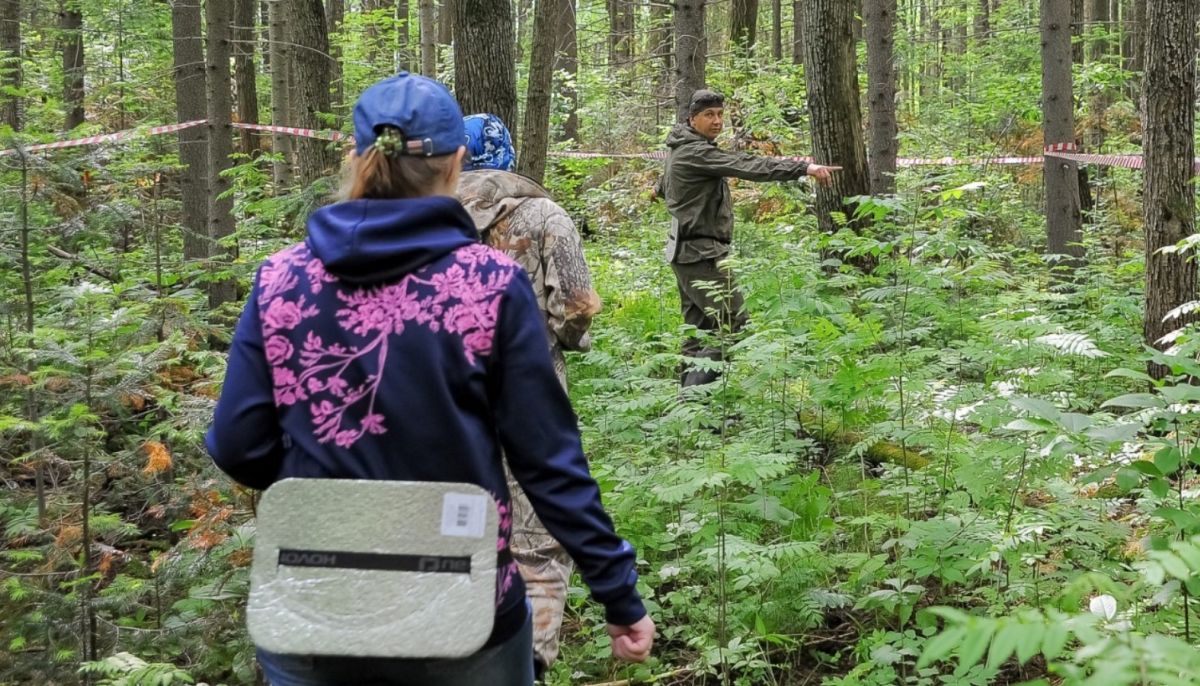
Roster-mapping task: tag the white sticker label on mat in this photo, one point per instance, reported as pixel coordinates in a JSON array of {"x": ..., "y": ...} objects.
[{"x": 464, "y": 515}]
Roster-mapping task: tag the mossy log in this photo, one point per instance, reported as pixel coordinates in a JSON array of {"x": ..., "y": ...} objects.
[{"x": 839, "y": 439}]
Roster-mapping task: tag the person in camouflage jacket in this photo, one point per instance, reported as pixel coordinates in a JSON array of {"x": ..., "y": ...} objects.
[
  {"x": 517, "y": 216},
  {"x": 697, "y": 195}
]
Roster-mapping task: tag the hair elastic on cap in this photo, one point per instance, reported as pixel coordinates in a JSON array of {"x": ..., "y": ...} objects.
[{"x": 392, "y": 144}]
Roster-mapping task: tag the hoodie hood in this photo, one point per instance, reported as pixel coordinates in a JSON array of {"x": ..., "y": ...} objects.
[
  {"x": 490, "y": 195},
  {"x": 368, "y": 241},
  {"x": 682, "y": 134}
]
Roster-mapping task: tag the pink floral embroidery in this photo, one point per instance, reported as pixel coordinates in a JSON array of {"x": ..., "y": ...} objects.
[
  {"x": 506, "y": 574},
  {"x": 462, "y": 300}
]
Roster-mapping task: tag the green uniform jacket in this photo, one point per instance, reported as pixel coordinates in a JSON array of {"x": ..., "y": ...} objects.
[{"x": 697, "y": 195}]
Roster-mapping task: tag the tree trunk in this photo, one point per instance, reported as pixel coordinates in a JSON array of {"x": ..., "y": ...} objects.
[
  {"x": 1063, "y": 214},
  {"x": 10, "y": 52},
  {"x": 1078, "y": 19},
  {"x": 691, "y": 53},
  {"x": 1097, "y": 50},
  {"x": 404, "y": 57},
  {"x": 535, "y": 130},
  {"x": 220, "y": 140},
  {"x": 445, "y": 29},
  {"x": 777, "y": 30},
  {"x": 71, "y": 24},
  {"x": 428, "y": 39},
  {"x": 1168, "y": 125},
  {"x": 281, "y": 93},
  {"x": 335, "y": 14},
  {"x": 879, "y": 19},
  {"x": 190, "y": 105},
  {"x": 661, "y": 46},
  {"x": 1135, "y": 45},
  {"x": 567, "y": 63},
  {"x": 983, "y": 21},
  {"x": 247, "y": 73},
  {"x": 484, "y": 67},
  {"x": 311, "y": 64},
  {"x": 831, "y": 75},
  {"x": 743, "y": 25},
  {"x": 797, "y": 33}
]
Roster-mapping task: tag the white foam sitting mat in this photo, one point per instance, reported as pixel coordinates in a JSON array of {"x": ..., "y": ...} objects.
[{"x": 373, "y": 568}]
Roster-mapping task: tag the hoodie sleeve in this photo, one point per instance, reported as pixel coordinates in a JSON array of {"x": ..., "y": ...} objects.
[
  {"x": 540, "y": 435},
  {"x": 708, "y": 160},
  {"x": 245, "y": 439}
]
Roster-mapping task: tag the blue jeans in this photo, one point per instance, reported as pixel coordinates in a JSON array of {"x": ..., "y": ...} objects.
[{"x": 507, "y": 664}]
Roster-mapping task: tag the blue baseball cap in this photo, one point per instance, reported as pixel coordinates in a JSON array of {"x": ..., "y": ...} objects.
[
  {"x": 489, "y": 144},
  {"x": 426, "y": 114}
]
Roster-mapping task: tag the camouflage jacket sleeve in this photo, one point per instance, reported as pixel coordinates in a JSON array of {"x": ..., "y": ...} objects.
[
  {"x": 569, "y": 299},
  {"x": 709, "y": 160}
]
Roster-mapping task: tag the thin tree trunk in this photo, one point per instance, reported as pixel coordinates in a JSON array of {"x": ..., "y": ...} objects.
[
  {"x": 1078, "y": 19},
  {"x": 484, "y": 65},
  {"x": 220, "y": 139},
  {"x": 335, "y": 14},
  {"x": 831, "y": 76},
  {"x": 983, "y": 21},
  {"x": 1168, "y": 125},
  {"x": 567, "y": 65},
  {"x": 428, "y": 39},
  {"x": 777, "y": 30},
  {"x": 190, "y": 105},
  {"x": 691, "y": 53},
  {"x": 445, "y": 29},
  {"x": 535, "y": 131},
  {"x": 281, "y": 93},
  {"x": 312, "y": 79},
  {"x": 797, "y": 33},
  {"x": 1098, "y": 49},
  {"x": 10, "y": 52},
  {"x": 1063, "y": 213},
  {"x": 662, "y": 46},
  {"x": 246, "y": 71},
  {"x": 404, "y": 58},
  {"x": 71, "y": 24},
  {"x": 879, "y": 19},
  {"x": 1135, "y": 45}
]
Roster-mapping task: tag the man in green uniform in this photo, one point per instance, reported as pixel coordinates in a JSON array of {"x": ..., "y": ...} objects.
[{"x": 697, "y": 196}]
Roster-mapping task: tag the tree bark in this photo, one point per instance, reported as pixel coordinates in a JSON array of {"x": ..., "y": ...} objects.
[
  {"x": 428, "y": 39},
  {"x": 404, "y": 57},
  {"x": 71, "y": 24},
  {"x": 190, "y": 105},
  {"x": 691, "y": 53},
  {"x": 1134, "y": 49},
  {"x": 1063, "y": 214},
  {"x": 445, "y": 29},
  {"x": 246, "y": 71},
  {"x": 743, "y": 25},
  {"x": 1097, "y": 49},
  {"x": 777, "y": 30},
  {"x": 335, "y": 15},
  {"x": 10, "y": 52},
  {"x": 567, "y": 66},
  {"x": 797, "y": 33},
  {"x": 484, "y": 67},
  {"x": 983, "y": 21},
  {"x": 311, "y": 64},
  {"x": 281, "y": 92},
  {"x": 535, "y": 129},
  {"x": 831, "y": 76},
  {"x": 1078, "y": 19},
  {"x": 879, "y": 19},
  {"x": 1168, "y": 125},
  {"x": 220, "y": 140}
]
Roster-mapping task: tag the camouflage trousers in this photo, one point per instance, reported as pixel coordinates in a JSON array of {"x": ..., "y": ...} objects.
[{"x": 545, "y": 568}]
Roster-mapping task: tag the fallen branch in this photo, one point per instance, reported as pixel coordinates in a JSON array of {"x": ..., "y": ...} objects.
[
  {"x": 59, "y": 252},
  {"x": 652, "y": 680}
]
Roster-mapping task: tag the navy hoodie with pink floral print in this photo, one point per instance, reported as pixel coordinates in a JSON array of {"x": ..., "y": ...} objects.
[{"x": 392, "y": 345}]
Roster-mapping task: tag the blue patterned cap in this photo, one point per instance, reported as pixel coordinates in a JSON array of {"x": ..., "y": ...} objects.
[
  {"x": 428, "y": 117},
  {"x": 489, "y": 144}
]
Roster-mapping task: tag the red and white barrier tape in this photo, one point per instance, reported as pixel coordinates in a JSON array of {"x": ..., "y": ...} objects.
[
  {"x": 109, "y": 137},
  {"x": 1067, "y": 151}
]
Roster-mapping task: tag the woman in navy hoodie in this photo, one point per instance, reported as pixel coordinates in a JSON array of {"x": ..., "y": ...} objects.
[{"x": 392, "y": 345}]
